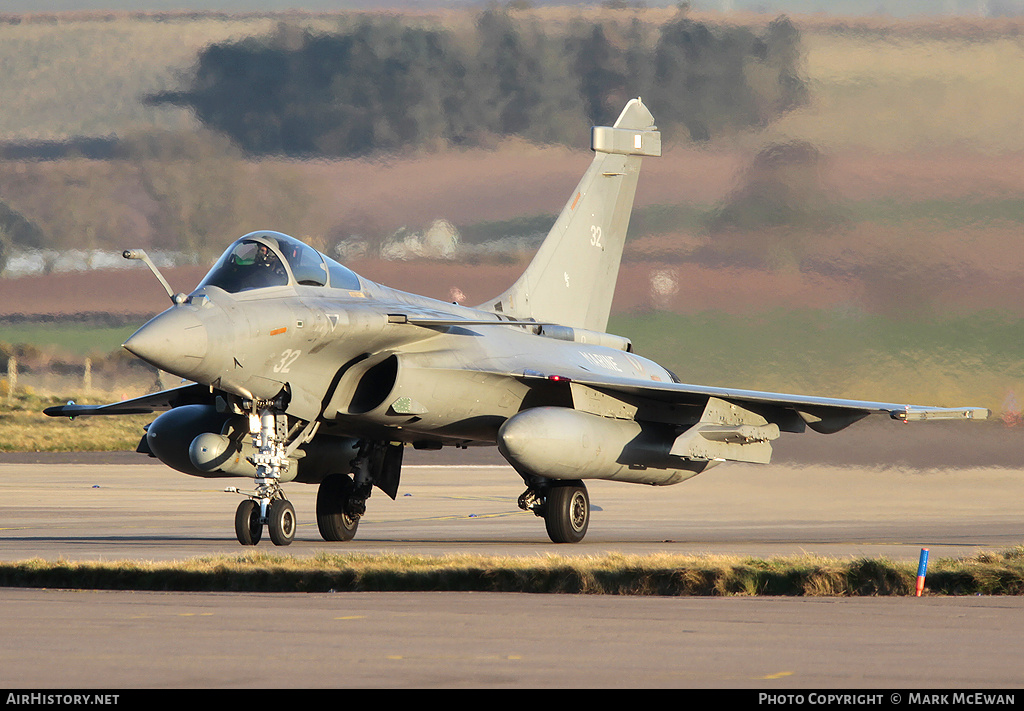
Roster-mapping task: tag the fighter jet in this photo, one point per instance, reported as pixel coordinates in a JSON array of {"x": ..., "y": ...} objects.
[{"x": 301, "y": 370}]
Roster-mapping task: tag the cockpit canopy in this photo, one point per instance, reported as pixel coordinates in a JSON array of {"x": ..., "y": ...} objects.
[{"x": 263, "y": 259}]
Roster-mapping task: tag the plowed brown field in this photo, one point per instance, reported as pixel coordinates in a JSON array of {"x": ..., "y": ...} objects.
[{"x": 874, "y": 266}]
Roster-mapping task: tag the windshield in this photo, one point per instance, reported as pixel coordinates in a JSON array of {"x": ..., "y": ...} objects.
[
  {"x": 263, "y": 259},
  {"x": 307, "y": 264},
  {"x": 248, "y": 264}
]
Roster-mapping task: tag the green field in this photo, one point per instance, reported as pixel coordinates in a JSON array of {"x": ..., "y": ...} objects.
[
  {"x": 970, "y": 360},
  {"x": 73, "y": 338}
]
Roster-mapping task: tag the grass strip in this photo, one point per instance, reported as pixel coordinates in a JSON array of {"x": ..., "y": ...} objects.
[
  {"x": 22, "y": 431},
  {"x": 990, "y": 573}
]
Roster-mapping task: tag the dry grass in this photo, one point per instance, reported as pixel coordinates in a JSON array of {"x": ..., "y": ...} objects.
[
  {"x": 910, "y": 91},
  {"x": 86, "y": 75},
  {"x": 24, "y": 427},
  {"x": 610, "y": 574}
]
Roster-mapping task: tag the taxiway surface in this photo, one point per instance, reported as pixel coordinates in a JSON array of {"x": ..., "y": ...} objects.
[
  {"x": 117, "y": 640},
  {"x": 149, "y": 512}
]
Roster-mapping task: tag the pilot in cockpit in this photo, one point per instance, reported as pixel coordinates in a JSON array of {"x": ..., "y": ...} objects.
[{"x": 266, "y": 258}]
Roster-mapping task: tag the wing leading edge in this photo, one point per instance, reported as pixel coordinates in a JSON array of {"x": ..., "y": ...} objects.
[
  {"x": 153, "y": 402},
  {"x": 822, "y": 414}
]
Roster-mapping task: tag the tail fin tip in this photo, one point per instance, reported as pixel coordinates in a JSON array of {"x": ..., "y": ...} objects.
[
  {"x": 571, "y": 279},
  {"x": 635, "y": 115},
  {"x": 633, "y": 133}
]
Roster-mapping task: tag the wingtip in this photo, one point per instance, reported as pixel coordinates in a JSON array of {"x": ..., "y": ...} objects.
[{"x": 917, "y": 414}]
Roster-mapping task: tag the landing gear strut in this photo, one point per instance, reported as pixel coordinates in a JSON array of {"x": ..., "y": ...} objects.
[
  {"x": 267, "y": 505},
  {"x": 341, "y": 499},
  {"x": 565, "y": 507}
]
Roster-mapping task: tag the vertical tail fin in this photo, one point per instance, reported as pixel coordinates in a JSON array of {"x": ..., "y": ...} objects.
[{"x": 571, "y": 279}]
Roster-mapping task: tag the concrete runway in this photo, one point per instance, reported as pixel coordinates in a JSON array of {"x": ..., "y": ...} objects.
[
  {"x": 105, "y": 511},
  {"x": 56, "y": 507}
]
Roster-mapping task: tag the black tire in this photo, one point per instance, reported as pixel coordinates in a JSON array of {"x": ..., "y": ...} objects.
[
  {"x": 567, "y": 512},
  {"x": 248, "y": 528},
  {"x": 281, "y": 522},
  {"x": 332, "y": 520}
]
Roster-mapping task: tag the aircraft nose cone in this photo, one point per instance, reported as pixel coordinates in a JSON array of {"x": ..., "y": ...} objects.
[{"x": 176, "y": 341}]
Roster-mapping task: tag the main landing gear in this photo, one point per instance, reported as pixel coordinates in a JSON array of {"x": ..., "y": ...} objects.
[
  {"x": 563, "y": 504},
  {"x": 337, "y": 508},
  {"x": 341, "y": 499}
]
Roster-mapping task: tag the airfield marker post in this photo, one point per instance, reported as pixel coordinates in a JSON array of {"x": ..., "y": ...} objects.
[
  {"x": 922, "y": 571},
  {"x": 12, "y": 377}
]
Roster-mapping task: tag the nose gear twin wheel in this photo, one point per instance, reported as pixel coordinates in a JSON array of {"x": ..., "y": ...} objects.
[
  {"x": 248, "y": 527},
  {"x": 281, "y": 522}
]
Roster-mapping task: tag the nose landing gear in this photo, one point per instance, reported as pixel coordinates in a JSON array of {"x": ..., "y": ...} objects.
[
  {"x": 268, "y": 508},
  {"x": 267, "y": 505}
]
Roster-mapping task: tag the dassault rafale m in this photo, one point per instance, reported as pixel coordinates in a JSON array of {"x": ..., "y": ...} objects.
[{"x": 301, "y": 370}]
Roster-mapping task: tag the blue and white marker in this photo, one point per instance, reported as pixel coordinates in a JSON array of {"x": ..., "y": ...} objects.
[{"x": 922, "y": 571}]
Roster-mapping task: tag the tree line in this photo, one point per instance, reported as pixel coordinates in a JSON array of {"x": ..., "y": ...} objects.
[{"x": 386, "y": 83}]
